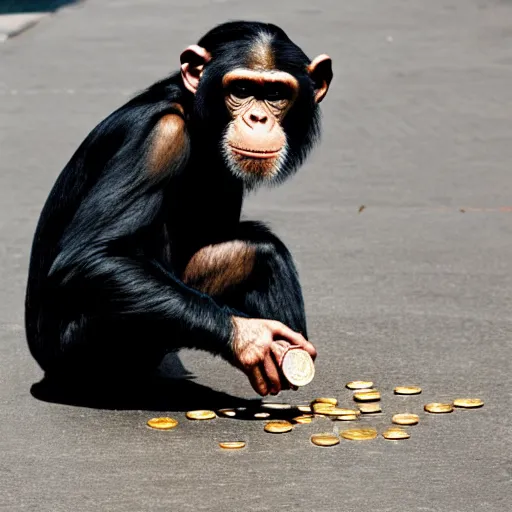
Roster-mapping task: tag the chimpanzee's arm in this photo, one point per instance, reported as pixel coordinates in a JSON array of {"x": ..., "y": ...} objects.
[{"x": 101, "y": 266}]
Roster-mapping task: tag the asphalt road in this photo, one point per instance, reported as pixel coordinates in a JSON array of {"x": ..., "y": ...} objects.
[{"x": 417, "y": 126}]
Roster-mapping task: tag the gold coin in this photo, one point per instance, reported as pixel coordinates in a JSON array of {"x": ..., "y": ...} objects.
[
  {"x": 395, "y": 434},
  {"x": 407, "y": 390},
  {"x": 468, "y": 402},
  {"x": 439, "y": 407},
  {"x": 323, "y": 400},
  {"x": 278, "y": 426},
  {"x": 348, "y": 412},
  {"x": 232, "y": 445},
  {"x": 325, "y": 439},
  {"x": 230, "y": 413},
  {"x": 298, "y": 367},
  {"x": 305, "y": 418},
  {"x": 405, "y": 419},
  {"x": 367, "y": 396},
  {"x": 369, "y": 407},
  {"x": 304, "y": 408},
  {"x": 200, "y": 415},
  {"x": 346, "y": 417},
  {"x": 359, "y": 384},
  {"x": 162, "y": 423},
  {"x": 321, "y": 407},
  {"x": 337, "y": 411},
  {"x": 359, "y": 434}
]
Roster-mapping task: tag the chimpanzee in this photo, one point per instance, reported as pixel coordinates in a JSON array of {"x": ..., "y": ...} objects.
[{"x": 140, "y": 250}]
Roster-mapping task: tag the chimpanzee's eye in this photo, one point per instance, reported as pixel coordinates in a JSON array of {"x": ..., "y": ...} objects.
[
  {"x": 276, "y": 92},
  {"x": 241, "y": 89}
]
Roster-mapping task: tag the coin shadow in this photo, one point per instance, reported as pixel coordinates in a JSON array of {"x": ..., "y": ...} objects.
[{"x": 172, "y": 388}]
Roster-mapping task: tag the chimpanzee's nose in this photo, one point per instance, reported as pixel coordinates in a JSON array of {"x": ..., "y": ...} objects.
[{"x": 257, "y": 117}]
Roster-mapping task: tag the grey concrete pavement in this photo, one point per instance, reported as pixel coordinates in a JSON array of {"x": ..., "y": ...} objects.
[{"x": 417, "y": 125}]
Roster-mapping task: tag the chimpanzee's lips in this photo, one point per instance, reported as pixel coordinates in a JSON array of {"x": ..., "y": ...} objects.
[{"x": 255, "y": 154}]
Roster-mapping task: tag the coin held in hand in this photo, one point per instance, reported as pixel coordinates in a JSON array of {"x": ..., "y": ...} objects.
[{"x": 298, "y": 367}]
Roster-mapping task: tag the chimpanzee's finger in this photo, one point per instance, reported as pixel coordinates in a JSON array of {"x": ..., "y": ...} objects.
[
  {"x": 258, "y": 381},
  {"x": 294, "y": 337},
  {"x": 272, "y": 374},
  {"x": 278, "y": 350}
]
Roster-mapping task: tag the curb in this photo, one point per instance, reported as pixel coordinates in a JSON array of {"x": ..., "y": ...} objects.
[{"x": 13, "y": 24}]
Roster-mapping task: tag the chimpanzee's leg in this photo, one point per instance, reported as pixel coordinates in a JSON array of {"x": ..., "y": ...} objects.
[{"x": 253, "y": 273}]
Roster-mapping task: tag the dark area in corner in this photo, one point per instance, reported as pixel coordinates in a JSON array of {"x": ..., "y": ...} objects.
[{"x": 27, "y": 6}]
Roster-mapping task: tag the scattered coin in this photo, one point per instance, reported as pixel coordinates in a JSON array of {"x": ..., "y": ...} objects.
[
  {"x": 395, "y": 434},
  {"x": 232, "y": 445},
  {"x": 305, "y": 418},
  {"x": 359, "y": 384},
  {"x": 405, "y": 419},
  {"x": 278, "y": 426},
  {"x": 261, "y": 415},
  {"x": 346, "y": 417},
  {"x": 337, "y": 411},
  {"x": 200, "y": 415},
  {"x": 347, "y": 412},
  {"x": 230, "y": 413},
  {"x": 367, "y": 395},
  {"x": 323, "y": 400},
  {"x": 298, "y": 367},
  {"x": 359, "y": 434},
  {"x": 321, "y": 407},
  {"x": 369, "y": 407},
  {"x": 304, "y": 408},
  {"x": 162, "y": 423},
  {"x": 325, "y": 439},
  {"x": 439, "y": 407},
  {"x": 407, "y": 390},
  {"x": 468, "y": 403}
]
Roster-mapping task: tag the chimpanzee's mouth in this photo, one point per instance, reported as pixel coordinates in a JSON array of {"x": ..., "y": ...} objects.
[{"x": 255, "y": 154}]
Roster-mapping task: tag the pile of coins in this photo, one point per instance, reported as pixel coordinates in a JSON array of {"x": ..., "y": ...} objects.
[{"x": 283, "y": 418}]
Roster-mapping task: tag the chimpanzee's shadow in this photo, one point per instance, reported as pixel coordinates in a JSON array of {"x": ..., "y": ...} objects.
[{"x": 167, "y": 391}]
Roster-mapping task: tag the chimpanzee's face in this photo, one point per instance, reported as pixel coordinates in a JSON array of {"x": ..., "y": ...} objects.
[
  {"x": 269, "y": 92},
  {"x": 254, "y": 142}
]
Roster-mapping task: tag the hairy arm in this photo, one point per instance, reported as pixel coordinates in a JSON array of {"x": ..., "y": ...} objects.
[{"x": 100, "y": 264}]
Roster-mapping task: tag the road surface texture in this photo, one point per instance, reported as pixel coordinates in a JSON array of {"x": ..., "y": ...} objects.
[{"x": 417, "y": 127}]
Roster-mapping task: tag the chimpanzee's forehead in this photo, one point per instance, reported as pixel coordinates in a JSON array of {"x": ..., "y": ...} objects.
[
  {"x": 265, "y": 53},
  {"x": 261, "y": 56}
]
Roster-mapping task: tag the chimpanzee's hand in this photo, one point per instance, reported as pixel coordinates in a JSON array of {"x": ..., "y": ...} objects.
[{"x": 258, "y": 354}]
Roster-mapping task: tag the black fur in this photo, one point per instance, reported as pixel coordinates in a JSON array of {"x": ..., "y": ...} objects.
[{"x": 104, "y": 292}]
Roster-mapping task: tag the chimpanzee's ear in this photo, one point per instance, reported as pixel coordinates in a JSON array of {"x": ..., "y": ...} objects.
[
  {"x": 193, "y": 60},
  {"x": 320, "y": 71}
]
